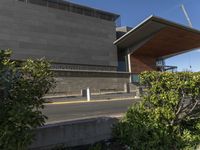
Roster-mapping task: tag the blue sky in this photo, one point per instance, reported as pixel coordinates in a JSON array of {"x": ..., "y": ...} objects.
[{"x": 134, "y": 11}]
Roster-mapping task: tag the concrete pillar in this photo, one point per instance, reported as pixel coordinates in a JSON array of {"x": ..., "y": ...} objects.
[
  {"x": 84, "y": 93},
  {"x": 129, "y": 67},
  {"x": 127, "y": 88}
]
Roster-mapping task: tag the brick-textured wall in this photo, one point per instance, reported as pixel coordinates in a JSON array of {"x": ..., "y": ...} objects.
[
  {"x": 141, "y": 63},
  {"x": 71, "y": 82}
]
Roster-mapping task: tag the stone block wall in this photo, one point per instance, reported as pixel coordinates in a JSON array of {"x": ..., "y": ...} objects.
[{"x": 72, "y": 82}]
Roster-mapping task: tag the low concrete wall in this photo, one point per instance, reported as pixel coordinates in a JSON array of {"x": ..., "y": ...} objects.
[
  {"x": 73, "y": 133},
  {"x": 72, "y": 82}
]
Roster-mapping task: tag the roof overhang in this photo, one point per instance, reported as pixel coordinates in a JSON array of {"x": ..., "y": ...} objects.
[{"x": 160, "y": 38}]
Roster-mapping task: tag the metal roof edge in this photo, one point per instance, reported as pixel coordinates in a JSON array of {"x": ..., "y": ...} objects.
[
  {"x": 175, "y": 24},
  {"x": 132, "y": 30},
  {"x": 159, "y": 20}
]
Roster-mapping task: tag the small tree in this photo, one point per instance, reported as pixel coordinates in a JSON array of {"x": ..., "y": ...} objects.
[
  {"x": 22, "y": 87},
  {"x": 168, "y": 116}
]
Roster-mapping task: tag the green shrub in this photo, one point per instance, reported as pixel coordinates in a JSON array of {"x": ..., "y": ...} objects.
[
  {"x": 168, "y": 116},
  {"x": 22, "y": 87},
  {"x": 97, "y": 146}
]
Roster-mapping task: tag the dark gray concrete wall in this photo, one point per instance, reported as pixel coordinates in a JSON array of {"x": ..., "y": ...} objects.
[
  {"x": 34, "y": 31},
  {"x": 73, "y": 133},
  {"x": 72, "y": 82}
]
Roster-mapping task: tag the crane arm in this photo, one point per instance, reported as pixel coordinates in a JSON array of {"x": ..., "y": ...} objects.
[{"x": 186, "y": 15}]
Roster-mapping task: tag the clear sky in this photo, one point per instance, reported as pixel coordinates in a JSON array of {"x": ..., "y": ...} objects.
[{"x": 134, "y": 11}]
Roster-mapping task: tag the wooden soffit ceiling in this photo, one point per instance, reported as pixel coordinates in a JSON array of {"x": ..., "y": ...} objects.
[
  {"x": 169, "y": 41},
  {"x": 158, "y": 37}
]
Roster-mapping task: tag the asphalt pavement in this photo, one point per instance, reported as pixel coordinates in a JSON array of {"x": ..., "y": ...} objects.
[
  {"x": 106, "y": 96},
  {"x": 59, "y": 112}
]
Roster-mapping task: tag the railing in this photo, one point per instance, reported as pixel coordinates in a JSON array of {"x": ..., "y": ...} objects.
[{"x": 167, "y": 68}]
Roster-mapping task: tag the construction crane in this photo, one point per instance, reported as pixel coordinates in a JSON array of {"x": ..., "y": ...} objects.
[
  {"x": 190, "y": 25},
  {"x": 186, "y": 15}
]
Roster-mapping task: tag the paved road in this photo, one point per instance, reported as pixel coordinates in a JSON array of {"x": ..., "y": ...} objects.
[
  {"x": 107, "y": 96},
  {"x": 72, "y": 111}
]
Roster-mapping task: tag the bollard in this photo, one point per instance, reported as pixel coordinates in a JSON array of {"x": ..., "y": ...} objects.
[
  {"x": 126, "y": 88},
  {"x": 88, "y": 94},
  {"x": 84, "y": 93}
]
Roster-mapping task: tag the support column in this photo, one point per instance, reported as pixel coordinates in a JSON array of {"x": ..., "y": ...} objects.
[{"x": 129, "y": 65}]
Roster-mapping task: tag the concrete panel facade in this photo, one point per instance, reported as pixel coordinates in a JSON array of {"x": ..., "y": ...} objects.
[{"x": 34, "y": 31}]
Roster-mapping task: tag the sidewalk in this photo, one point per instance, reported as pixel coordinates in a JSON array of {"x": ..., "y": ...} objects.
[{"x": 108, "y": 96}]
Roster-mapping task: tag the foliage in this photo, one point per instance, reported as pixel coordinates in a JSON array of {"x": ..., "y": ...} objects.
[
  {"x": 22, "y": 86},
  {"x": 61, "y": 147},
  {"x": 107, "y": 145},
  {"x": 97, "y": 147},
  {"x": 168, "y": 117}
]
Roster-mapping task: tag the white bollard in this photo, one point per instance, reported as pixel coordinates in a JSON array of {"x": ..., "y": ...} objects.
[{"x": 88, "y": 94}]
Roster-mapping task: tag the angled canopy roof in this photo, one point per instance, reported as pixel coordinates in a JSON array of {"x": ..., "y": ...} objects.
[{"x": 158, "y": 37}]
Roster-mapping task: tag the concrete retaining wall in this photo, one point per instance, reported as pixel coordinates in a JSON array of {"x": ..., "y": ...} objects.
[
  {"x": 73, "y": 133},
  {"x": 71, "y": 82}
]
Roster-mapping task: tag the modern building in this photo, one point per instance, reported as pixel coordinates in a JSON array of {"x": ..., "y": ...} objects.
[
  {"x": 146, "y": 46},
  {"x": 85, "y": 47}
]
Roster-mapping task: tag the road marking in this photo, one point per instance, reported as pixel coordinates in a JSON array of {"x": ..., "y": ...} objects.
[{"x": 92, "y": 101}]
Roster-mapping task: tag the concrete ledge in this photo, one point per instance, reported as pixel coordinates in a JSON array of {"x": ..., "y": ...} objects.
[
  {"x": 90, "y": 71},
  {"x": 74, "y": 133}
]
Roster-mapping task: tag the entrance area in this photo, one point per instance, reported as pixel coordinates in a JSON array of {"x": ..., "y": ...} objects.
[{"x": 154, "y": 40}]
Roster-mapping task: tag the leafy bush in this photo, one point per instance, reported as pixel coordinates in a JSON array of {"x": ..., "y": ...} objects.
[
  {"x": 22, "y": 86},
  {"x": 97, "y": 146},
  {"x": 168, "y": 116}
]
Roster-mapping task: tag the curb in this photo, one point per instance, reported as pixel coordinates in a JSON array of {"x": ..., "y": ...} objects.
[{"x": 92, "y": 101}]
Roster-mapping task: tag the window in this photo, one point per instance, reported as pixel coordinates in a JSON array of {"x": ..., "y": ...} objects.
[
  {"x": 135, "y": 78},
  {"x": 67, "y": 6},
  {"x": 38, "y": 2}
]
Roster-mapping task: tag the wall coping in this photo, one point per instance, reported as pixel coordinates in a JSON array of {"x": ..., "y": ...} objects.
[{"x": 90, "y": 71}]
